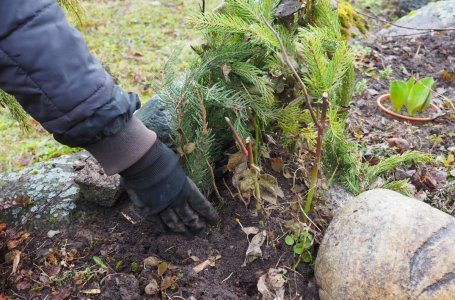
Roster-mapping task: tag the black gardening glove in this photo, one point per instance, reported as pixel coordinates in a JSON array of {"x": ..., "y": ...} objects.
[{"x": 168, "y": 198}]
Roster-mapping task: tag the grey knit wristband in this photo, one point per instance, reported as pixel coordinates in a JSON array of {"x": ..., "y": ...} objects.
[{"x": 120, "y": 151}]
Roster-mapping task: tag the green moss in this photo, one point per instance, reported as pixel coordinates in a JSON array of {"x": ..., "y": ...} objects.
[
  {"x": 52, "y": 220},
  {"x": 350, "y": 18},
  {"x": 411, "y": 13}
]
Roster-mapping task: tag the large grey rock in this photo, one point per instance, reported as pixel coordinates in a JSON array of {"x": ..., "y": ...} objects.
[
  {"x": 438, "y": 15},
  {"x": 44, "y": 195},
  {"x": 336, "y": 197},
  {"x": 47, "y": 189},
  {"x": 383, "y": 245},
  {"x": 406, "y": 6}
]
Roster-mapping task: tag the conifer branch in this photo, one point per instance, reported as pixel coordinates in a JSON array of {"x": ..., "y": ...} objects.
[{"x": 296, "y": 75}]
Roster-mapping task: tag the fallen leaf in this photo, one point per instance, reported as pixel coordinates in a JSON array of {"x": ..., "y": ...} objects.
[
  {"x": 152, "y": 261},
  {"x": 91, "y": 291},
  {"x": 209, "y": 262},
  {"x": 14, "y": 243},
  {"x": 2, "y": 227},
  {"x": 169, "y": 282},
  {"x": 162, "y": 268},
  {"x": 226, "y": 69},
  {"x": 297, "y": 188},
  {"x": 250, "y": 230},
  {"x": 23, "y": 285},
  {"x": 52, "y": 233},
  {"x": 152, "y": 288},
  {"x": 16, "y": 260},
  {"x": 401, "y": 144},
  {"x": 271, "y": 285},
  {"x": 254, "y": 248},
  {"x": 234, "y": 160},
  {"x": 100, "y": 262},
  {"x": 270, "y": 190},
  {"x": 277, "y": 164},
  {"x": 62, "y": 294}
]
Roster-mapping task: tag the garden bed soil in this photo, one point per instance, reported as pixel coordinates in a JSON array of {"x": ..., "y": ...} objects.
[{"x": 109, "y": 235}]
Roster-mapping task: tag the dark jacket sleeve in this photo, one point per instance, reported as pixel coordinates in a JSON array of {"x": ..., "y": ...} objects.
[{"x": 45, "y": 64}]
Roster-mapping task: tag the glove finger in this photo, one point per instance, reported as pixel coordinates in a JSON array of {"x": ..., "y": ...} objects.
[
  {"x": 201, "y": 205},
  {"x": 171, "y": 219},
  {"x": 189, "y": 217}
]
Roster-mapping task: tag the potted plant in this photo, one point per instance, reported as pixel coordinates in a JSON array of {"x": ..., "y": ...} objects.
[{"x": 414, "y": 95}]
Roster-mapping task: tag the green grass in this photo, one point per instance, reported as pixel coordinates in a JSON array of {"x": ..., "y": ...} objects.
[{"x": 133, "y": 40}]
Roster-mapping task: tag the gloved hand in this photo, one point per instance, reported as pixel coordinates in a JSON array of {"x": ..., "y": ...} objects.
[{"x": 158, "y": 184}]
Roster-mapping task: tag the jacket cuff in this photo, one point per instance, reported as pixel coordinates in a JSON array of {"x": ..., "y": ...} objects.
[{"x": 120, "y": 151}]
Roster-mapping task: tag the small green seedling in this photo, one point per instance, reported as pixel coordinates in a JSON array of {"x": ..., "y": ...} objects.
[
  {"x": 301, "y": 244},
  {"x": 415, "y": 96}
]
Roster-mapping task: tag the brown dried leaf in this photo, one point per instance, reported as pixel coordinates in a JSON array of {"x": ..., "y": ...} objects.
[
  {"x": 3, "y": 226},
  {"x": 152, "y": 288},
  {"x": 91, "y": 291},
  {"x": 277, "y": 164},
  {"x": 226, "y": 69},
  {"x": 271, "y": 285},
  {"x": 62, "y": 294},
  {"x": 169, "y": 282},
  {"x": 152, "y": 261},
  {"x": 14, "y": 243},
  {"x": 401, "y": 144},
  {"x": 234, "y": 160},
  {"x": 23, "y": 285},
  {"x": 162, "y": 268},
  {"x": 16, "y": 260},
  {"x": 250, "y": 230},
  {"x": 254, "y": 248}
]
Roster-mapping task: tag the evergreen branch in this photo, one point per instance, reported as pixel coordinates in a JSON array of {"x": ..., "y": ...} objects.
[
  {"x": 15, "y": 110},
  {"x": 220, "y": 23},
  {"x": 401, "y": 186},
  {"x": 395, "y": 161},
  {"x": 296, "y": 75}
]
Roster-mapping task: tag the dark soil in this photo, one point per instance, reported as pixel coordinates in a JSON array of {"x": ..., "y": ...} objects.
[{"x": 107, "y": 233}]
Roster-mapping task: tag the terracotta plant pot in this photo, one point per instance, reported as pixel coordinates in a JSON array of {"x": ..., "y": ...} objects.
[{"x": 383, "y": 98}]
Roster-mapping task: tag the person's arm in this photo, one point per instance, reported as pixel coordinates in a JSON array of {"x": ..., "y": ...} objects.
[{"x": 46, "y": 65}]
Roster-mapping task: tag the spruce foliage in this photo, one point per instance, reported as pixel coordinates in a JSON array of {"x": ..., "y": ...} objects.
[{"x": 242, "y": 73}]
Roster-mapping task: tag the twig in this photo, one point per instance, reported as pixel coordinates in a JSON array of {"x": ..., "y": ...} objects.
[
  {"x": 202, "y": 7},
  {"x": 236, "y": 136},
  {"x": 229, "y": 190},
  {"x": 205, "y": 130},
  {"x": 227, "y": 278},
  {"x": 317, "y": 159},
  {"x": 212, "y": 175},
  {"x": 294, "y": 72},
  {"x": 401, "y": 26},
  {"x": 250, "y": 152}
]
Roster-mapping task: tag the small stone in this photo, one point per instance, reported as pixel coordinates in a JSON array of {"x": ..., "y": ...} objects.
[
  {"x": 95, "y": 186},
  {"x": 52, "y": 233}
]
